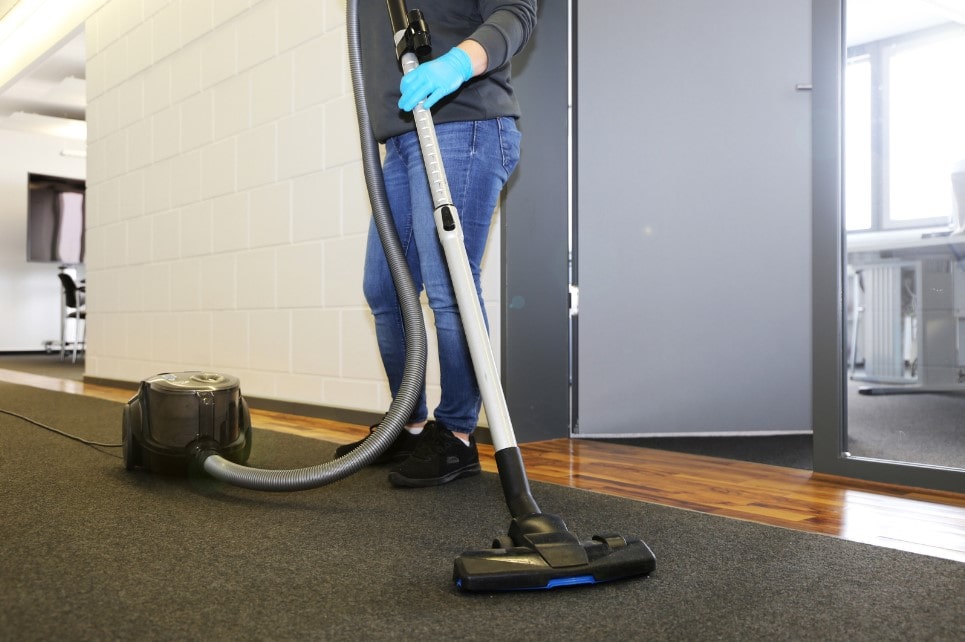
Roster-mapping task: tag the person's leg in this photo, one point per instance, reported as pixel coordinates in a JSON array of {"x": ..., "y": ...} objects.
[
  {"x": 378, "y": 286},
  {"x": 478, "y": 157},
  {"x": 380, "y": 293}
]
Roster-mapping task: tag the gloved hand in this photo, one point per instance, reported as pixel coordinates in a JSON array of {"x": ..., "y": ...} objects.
[{"x": 436, "y": 79}]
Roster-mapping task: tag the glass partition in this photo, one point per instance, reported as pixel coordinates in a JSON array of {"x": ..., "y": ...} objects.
[
  {"x": 904, "y": 133},
  {"x": 889, "y": 155}
]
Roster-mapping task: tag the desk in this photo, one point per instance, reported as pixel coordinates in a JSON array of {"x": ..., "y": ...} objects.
[{"x": 908, "y": 278}]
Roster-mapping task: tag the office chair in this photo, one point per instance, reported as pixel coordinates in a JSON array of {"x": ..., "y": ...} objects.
[{"x": 73, "y": 309}]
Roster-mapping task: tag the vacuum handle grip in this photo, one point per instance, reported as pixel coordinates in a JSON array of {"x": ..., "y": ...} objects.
[
  {"x": 409, "y": 29},
  {"x": 207, "y": 422},
  {"x": 397, "y": 15}
]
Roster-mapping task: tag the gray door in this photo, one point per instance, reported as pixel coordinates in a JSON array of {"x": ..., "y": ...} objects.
[{"x": 693, "y": 212}]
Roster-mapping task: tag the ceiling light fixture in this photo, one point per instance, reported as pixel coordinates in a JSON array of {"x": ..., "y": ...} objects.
[
  {"x": 32, "y": 27},
  {"x": 17, "y": 16}
]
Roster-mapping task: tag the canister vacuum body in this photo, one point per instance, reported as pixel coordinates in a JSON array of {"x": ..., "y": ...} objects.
[{"x": 178, "y": 416}]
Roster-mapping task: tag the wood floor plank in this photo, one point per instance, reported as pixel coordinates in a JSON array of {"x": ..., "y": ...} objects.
[{"x": 910, "y": 519}]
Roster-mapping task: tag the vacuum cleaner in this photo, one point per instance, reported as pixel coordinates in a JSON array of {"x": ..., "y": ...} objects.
[
  {"x": 176, "y": 416},
  {"x": 179, "y": 422}
]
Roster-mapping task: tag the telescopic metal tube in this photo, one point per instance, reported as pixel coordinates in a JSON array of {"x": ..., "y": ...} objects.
[
  {"x": 450, "y": 235},
  {"x": 512, "y": 473}
]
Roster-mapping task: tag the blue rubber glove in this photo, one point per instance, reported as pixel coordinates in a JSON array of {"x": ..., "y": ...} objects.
[{"x": 434, "y": 80}]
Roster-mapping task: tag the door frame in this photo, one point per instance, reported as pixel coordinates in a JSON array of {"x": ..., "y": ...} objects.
[{"x": 535, "y": 369}]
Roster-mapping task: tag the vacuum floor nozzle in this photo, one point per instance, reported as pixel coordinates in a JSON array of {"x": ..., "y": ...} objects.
[
  {"x": 521, "y": 568},
  {"x": 551, "y": 558}
]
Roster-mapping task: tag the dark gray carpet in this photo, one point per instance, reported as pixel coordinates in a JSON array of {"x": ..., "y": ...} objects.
[
  {"x": 93, "y": 552},
  {"x": 927, "y": 428}
]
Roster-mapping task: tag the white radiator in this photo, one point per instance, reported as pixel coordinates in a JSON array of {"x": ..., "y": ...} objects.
[{"x": 884, "y": 357}]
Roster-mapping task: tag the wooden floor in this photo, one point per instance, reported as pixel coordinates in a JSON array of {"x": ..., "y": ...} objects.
[{"x": 910, "y": 519}]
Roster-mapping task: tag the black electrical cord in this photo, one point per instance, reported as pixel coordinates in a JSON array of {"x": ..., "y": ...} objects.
[{"x": 86, "y": 442}]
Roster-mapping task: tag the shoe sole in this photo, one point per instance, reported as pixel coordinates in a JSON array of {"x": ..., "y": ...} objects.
[{"x": 398, "y": 479}]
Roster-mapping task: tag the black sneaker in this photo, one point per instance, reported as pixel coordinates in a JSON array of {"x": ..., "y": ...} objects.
[
  {"x": 399, "y": 450},
  {"x": 439, "y": 458}
]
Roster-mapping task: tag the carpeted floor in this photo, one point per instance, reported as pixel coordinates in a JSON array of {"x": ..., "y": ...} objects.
[
  {"x": 927, "y": 428},
  {"x": 93, "y": 552}
]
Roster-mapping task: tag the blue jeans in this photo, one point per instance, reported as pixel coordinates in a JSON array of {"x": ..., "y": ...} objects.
[{"x": 479, "y": 157}]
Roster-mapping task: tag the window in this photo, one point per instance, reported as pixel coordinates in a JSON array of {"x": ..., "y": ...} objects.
[
  {"x": 857, "y": 144},
  {"x": 904, "y": 129}
]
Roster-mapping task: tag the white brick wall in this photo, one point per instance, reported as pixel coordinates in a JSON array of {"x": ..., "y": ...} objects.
[{"x": 228, "y": 212}]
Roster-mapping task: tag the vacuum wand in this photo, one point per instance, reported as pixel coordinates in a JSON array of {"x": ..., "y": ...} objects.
[
  {"x": 413, "y": 41},
  {"x": 539, "y": 551}
]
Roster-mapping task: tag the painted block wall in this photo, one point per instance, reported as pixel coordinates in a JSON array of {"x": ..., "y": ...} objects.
[{"x": 227, "y": 211}]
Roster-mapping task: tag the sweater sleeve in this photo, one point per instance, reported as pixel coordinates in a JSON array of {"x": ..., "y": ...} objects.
[{"x": 507, "y": 27}]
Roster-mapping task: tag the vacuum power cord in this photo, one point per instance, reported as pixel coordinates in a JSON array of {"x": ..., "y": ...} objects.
[{"x": 86, "y": 442}]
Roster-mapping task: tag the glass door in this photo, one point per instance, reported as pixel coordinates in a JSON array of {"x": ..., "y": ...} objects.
[{"x": 894, "y": 213}]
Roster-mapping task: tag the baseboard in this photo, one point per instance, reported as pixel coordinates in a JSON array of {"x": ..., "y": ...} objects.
[
  {"x": 331, "y": 413},
  {"x": 111, "y": 383},
  {"x": 26, "y": 353},
  {"x": 300, "y": 409}
]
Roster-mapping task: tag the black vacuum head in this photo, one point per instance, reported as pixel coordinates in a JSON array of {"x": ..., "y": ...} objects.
[{"x": 549, "y": 556}]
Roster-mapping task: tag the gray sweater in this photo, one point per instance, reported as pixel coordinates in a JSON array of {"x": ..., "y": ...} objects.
[{"x": 502, "y": 27}]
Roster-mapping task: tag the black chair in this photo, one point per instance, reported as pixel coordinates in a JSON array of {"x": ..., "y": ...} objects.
[{"x": 73, "y": 308}]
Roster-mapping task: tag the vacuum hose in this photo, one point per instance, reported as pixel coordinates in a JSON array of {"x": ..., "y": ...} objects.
[{"x": 413, "y": 376}]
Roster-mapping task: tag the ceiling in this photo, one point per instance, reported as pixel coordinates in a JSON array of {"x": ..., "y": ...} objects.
[{"x": 50, "y": 96}]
